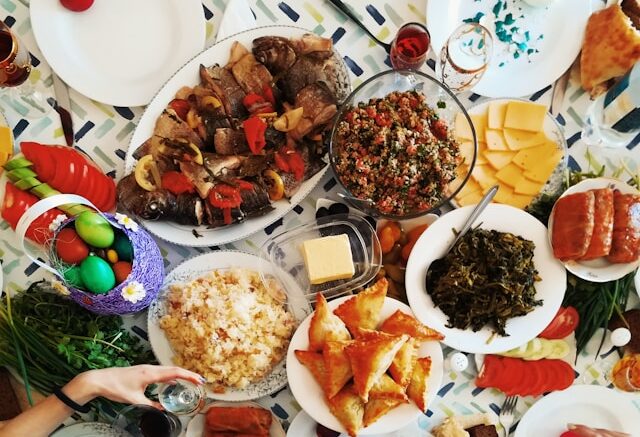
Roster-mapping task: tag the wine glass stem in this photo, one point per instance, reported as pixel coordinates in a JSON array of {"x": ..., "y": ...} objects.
[{"x": 27, "y": 101}]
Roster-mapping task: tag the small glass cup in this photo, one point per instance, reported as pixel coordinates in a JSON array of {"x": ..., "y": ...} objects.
[
  {"x": 410, "y": 47},
  {"x": 181, "y": 397},
  {"x": 465, "y": 56},
  {"x": 146, "y": 421},
  {"x": 625, "y": 374}
]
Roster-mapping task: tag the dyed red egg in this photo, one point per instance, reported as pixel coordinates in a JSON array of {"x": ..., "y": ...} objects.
[
  {"x": 121, "y": 269},
  {"x": 70, "y": 247}
]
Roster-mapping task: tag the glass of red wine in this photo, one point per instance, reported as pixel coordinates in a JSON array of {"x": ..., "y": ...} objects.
[
  {"x": 146, "y": 421},
  {"x": 410, "y": 47},
  {"x": 15, "y": 67}
]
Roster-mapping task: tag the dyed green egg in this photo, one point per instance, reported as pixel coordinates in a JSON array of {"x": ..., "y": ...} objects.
[
  {"x": 123, "y": 248},
  {"x": 73, "y": 278},
  {"x": 97, "y": 275},
  {"x": 94, "y": 229}
]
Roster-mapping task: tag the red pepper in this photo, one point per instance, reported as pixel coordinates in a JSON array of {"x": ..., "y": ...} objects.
[
  {"x": 254, "y": 129},
  {"x": 181, "y": 106},
  {"x": 281, "y": 162},
  {"x": 251, "y": 99},
  {"x": 225, "y": 196},
  {"x": 297, "y": 165},
  {"x": 177, "y": 183},
  {"x": 267, "y": 92},
  {"x": 226, "y": 215},
  {"x": 243, "y": 185},
  {"x": 257, "y": 104}
]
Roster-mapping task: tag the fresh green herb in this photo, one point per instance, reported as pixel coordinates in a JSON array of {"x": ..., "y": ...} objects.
[
  {"x": 486, "y": 279},
  {"x": 49, "y": 339},
  {"x": 441, "y": 104}
]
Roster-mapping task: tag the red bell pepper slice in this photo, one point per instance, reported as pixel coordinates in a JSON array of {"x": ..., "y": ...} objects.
[
  {"x": 281, "y": 162},
  {"x": 254, "y": 129},
  {"x": 177, "y": 183},
  {"x": 267, "y": 92},
  {"x": 226, "y": 215},
  {"x": 243, "y": 185},
  {"x": 181, "y": 107},
  {"x": 225, "y": 196}
]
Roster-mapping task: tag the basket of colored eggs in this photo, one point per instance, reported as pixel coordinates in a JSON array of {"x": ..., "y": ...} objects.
[{"x": 106, "y": 263}]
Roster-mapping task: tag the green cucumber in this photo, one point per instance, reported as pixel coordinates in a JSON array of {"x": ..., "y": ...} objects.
[
  {"x": 27, "y": 184},
  {"x": 44, "y": 190},
  {"x": 18, "y": 162},
  {"x": 560, "y": 350},
  {"x": 545, "y": 349},
  {"x": 21, "y": 173}
]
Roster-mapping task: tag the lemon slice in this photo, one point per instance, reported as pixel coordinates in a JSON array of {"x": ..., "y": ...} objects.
[{"x": 147, "y": 174}]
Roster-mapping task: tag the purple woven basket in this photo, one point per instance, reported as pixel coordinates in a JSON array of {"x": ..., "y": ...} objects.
[{"x": 147, "y": 269}]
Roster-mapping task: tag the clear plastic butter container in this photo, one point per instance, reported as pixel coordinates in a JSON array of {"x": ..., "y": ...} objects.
[{"x": 281, "y": 255}]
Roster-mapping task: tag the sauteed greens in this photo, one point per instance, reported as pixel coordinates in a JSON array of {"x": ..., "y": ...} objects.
[{"x": 486, "y": 279}]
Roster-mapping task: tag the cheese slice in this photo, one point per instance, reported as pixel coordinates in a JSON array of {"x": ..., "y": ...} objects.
[
  {"x": 480, "y": 124},
  {"x": 6, "y": 145},
  {"x": 495, "y": 140},
  {"x": 469, "y": 199},
  {"x": 503, "y": 194},
  {"x": 484, "y": 175},
  {"x": 499, "y": 158},
  {"x": 527, "y": 186},
  {"x": 510, "y": 174},
  {"x": 480, "y": 159},
  {"x": 526, "y": 116},
  {"x": 328, "y": 258},
  {"x": 470, "y": 187},
  {"x": 520, "y": 139},
  {"x": 532, "y": 156},
  {"x": 466, "y": 149},
  {"x": 4, "y": 157},
  {"x": 496, "y": 113},
  {"x": 542, "y": 171},
  {"x": 462, "y": 127},
  {"x": 519, "y": 200}
]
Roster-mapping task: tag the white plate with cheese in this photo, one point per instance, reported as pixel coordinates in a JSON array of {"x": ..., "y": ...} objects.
[{"x": 521, "y": 147}]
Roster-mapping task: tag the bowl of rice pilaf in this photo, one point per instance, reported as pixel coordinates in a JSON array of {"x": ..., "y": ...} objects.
[{"x": 393, "y": 145}]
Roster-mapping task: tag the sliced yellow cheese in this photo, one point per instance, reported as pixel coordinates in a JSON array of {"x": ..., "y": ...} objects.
[
  {"x": 526, "y": 186},
  {"x": 470, "y": 187},
  {"x": 484, "y": 175},
  {"x": 328, "y": 258},
  {"x": 469, "y": 199},
  {"x": 503, "y": 194},
  {"x": 542, "y": 171},
  {"x": 4, "y": 157},
  {"x": 466, "y": 150},
  {"x": 520, "y": 139},
  {"x": 510, "y": 174},
  {"x": 495, "y": 140},
  {"x": 532, "y": 156},
  {"x": 480, "y": 159},
  {"x": 496, "y": 113},
  {"x": 527, "y": 116},
  {"x": 462, "y": 127},
  {"x": 519, "y": 200},
  {"x": 499, "y": 158},
  {"x": 6, "y": 145},
  {"x": 480, "y": 124}
]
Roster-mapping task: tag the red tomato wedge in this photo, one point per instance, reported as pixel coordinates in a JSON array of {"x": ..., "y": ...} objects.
[{"x": 562, "y": 325}]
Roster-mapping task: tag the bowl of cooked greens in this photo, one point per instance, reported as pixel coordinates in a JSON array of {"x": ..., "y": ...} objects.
[
  {"x": 393, "y": 146},
  {"x": 496, "y": 289}
]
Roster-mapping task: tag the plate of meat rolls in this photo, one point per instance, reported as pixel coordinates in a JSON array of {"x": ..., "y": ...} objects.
[
  {"x": 594, "y": 229},
  {"x": 235, "y": 418}
]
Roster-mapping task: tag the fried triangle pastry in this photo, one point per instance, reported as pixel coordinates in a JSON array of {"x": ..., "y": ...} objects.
[
  {"x": 387, "y": 388},
  {"x": 337, "y": 366},
  {"x": 325, "y": 326},
  {"x": 402, "y": 323},
  {"x": 376, "y": 408},
  {"x": 370, "y": 360},
  {"x": 418, "y": 389},
  {"x": 315, "y": 363},
  {"x": 348, "y": 409},
  {"x": 403, "y": 363},
  {"x": 363, "y": 309}
]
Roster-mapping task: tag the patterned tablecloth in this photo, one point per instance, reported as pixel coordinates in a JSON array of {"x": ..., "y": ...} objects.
[{"x": 104, "y": 132}]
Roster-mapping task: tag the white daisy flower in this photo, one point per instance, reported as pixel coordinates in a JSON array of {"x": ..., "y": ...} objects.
[
  {"x": 56, "y": 222},
  {"x": 127, "y": 222},
  {"x": 133, "y": 292}
]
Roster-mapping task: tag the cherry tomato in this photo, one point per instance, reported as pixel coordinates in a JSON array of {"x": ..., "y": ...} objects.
[
  {"x": 70, "y": 247},
  {"x": 77, "y": 5}
]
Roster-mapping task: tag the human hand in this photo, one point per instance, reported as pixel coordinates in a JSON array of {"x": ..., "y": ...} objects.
[{"x": 127, "y": 384}]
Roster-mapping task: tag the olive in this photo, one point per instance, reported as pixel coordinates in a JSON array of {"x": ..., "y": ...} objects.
[{"x": 338, "y": 208}]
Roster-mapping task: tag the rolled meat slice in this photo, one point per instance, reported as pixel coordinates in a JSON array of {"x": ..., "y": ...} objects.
[
  {"x": 625, "y": 244},
  {"x": 602, "y": 224},
  {"x": 573, "y": 222}
]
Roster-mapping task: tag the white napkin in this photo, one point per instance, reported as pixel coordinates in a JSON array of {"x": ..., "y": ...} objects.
[{"x": 237, "y": 18}]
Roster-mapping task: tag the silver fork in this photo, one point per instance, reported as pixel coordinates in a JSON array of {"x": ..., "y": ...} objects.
[{"x": 506, "y": 413}]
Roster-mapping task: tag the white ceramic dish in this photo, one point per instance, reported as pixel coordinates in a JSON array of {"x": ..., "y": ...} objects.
[
  {"x": 194, "y": 268},
  {"x": 590, "y": 405},
  {"x": 304, "y": 426},
  {"x": 119, "y": 52},
  {"x": 311, "y": 398},
  {"x": 195, "y": 428},
  {"x": 90, "y": 429},
  {"x": 597, "y": 270},
  {"x": 188, "y": 75},
  {"x": 432, "y": 245},
  {"x": 561, "y": 42}
]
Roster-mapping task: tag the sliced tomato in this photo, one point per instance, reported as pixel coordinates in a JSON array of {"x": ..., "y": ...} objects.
[
  {"x": 14, "y": 205},
  {"x": 98, "y": 191},
  {"x": 490, "y": 372},
  {"x": 111, "y": 198},
  {"x": 564, "y": 323},
  {"x": 537, "y": 379},
  {"x": 512, "y": 375},
  {"x": 566, "y": 372}
]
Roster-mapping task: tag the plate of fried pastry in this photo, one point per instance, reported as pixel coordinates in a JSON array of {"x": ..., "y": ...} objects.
[
  {"x": 594, "y": 229},
  {"x": 364, "y": 364}
]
